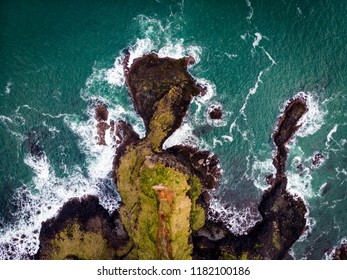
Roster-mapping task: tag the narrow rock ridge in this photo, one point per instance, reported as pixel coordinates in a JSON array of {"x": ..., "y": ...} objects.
[{"x": 283, "y": 216}]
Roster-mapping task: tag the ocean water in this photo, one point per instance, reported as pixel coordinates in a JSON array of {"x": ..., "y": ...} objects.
[{"x": 60, "y": 57}]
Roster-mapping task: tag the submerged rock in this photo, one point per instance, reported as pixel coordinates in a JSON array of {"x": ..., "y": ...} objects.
[{"x": 317, "y": 159}]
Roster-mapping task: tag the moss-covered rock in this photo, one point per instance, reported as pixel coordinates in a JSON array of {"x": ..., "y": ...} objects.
[
  {"x": 159, "y": 192},
  {"x": 83, "y": 229}
]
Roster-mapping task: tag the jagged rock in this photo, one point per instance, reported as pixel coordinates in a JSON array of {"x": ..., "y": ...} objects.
[
  {"x": 101, "y": 131},
  {"x": 340, "y": 253},
  {"x": 215, "y": 112},
  {"x": 283, "y": 216},
  {"x": 150, "y": 78},
  {"x": 83, "y": 229},
  {"x": 317, "y": 159},
  {"x": 159, "y": 191},
  {"x": 101, "y": 113}
]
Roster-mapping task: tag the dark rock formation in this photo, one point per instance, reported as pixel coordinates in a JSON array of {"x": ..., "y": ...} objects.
[
  {"x": 32, "y": 143},
  {"x": 165, "y": 193},
  {"x": 283, "y": 216},
  {"x": 161, "y": 190},
  {"x": 340, "y": 253},
  {"x": 83, "y": 229},
  {"x": 149, "y": 78},
  {"x": 215, "y": 112},
  {"x": 202, "y": 163},
  {"x": 317, "y": 159},
  {"x": 286, "y": 127},
  {"x": 101, "y": 115}
]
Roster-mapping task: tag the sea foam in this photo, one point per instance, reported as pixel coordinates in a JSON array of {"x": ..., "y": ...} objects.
[{"x": 238, "y": 221}]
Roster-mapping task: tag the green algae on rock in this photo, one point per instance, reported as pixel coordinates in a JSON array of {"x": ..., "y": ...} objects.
[
  {"x": 159, "y": 192},
  {"x": 165, "y": 192},
  {"x": 283, "y": 215},
  {"x": 83, "y": 229}
]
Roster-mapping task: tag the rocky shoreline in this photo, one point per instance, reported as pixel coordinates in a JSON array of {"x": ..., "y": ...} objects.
[{"x": 166, "y": 193}]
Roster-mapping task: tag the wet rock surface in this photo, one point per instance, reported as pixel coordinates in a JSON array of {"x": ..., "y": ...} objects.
[
  {"x": 215, "y": 112},
  {"x": 101, "y": 115},
  {"x": 340, "y": 253}
]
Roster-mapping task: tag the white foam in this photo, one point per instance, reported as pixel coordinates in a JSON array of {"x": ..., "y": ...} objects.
[
  {"x": 211, "y": 90},
  {"x": 257, "y": 39},
  {"x": 330, "y": 254},
  {"x": 141, "y": 47},
  {"x": 330, "y": 135},
  {"x": 178, "y": 50},
  {"x": 115, "y": 75},
  {"x": 254, "y": 89},
  {"x": 251, "y": 11},
  {"x": 238, "y": 221},
  {"x": 154, "y": 32},
  {"x": 5, "y": 119},
  {"x": 310, "y": 224},
  {"x": 313, "y": 120},
  {"x": 300, "y": 184},
  {"x": 231, "y": 55},
  {"x": 269, "y": 56},
  {"x": 8, "y": 87},
  {"x": 40, "y": 166},
  {"x": 228, "y": 138},
  {"x": 260, "y": 170},
  {"x": 299, "y": 11},
  {"x": 183, "y": 135},
  {"x": 322, "y": 188},
  {"x": 151, "y": 43},
  {"x": 99, "y": 157},
  {"x": 339, "y": 172},
  {"x": 40, "y": 200},
  {"x": 216, "y": 141}
]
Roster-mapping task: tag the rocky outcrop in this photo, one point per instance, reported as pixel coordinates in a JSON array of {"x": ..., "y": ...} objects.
[
  {"x": 83, "y": 229},
  {"x": 150, "y": 78},
  {"x": 283, "y": 216},
  {"x": 215, "y": 112},
  {"x": 166, "y": 193},
  {"x": 161, "y": 190},
  {"x": 101, "y": 115},
  {"x": 340, "y": 253}
]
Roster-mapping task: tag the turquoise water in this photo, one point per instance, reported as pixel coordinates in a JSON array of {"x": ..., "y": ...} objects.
[{"x": 59, "y": 57}]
